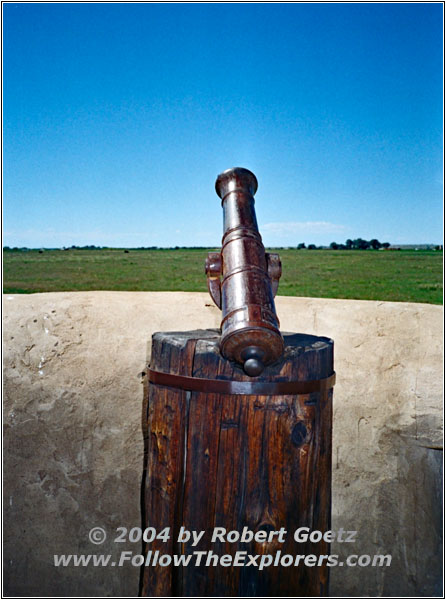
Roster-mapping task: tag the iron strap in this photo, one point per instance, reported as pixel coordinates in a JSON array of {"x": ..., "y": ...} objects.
[{"x": 243, "y": 388}]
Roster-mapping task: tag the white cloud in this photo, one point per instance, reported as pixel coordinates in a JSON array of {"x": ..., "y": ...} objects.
[{"x": 307, "y": 227}]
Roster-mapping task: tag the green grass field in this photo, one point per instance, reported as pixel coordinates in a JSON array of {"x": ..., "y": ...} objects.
[{"x": 406, "y": 275}]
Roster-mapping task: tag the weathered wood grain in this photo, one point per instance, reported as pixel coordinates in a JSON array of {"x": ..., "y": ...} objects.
[{"x": 234, "y": 461}]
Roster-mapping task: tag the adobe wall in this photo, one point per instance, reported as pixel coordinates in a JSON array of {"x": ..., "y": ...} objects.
[{"x": 73, "y": 445}]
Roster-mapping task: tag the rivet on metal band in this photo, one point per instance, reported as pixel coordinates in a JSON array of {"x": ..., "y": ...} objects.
[{"x": 241, "y": 388}]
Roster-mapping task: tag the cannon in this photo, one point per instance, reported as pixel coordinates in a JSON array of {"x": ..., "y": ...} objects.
[
  {"x": 243, "y": 279},
  {"x": 238, "y": 423}
]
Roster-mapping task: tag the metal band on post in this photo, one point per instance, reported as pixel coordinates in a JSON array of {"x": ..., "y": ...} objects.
[{"x": 241, "y": 388}]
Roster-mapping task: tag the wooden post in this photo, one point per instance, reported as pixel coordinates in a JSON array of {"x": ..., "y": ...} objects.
[{"x": 216, "y": 460}]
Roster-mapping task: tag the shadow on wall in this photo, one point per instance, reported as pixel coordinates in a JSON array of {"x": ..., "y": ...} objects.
[{"x": 403, "y": 518}]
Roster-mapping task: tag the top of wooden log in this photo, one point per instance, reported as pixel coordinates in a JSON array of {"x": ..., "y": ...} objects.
[
  {"x": 309, "y": 356},
  {"x": 293, "y": 341}
]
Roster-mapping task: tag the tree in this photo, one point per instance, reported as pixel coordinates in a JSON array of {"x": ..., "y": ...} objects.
[
  {"x": 375, "y": 244},
  {"x": 348, "y": 244},
  {"x": 312, "y": 247},
  {"x": 360, "y": 244},
  {"x": 385, "y": 245},
  {"x": 334, "y": 246},
  {"x": 301, "y": 246}
]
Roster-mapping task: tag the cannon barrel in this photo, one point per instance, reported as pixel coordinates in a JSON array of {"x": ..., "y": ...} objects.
[{"x": 243, "y": 278}]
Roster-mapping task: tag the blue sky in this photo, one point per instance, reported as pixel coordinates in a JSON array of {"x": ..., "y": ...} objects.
[{"x": 119, "y": 117}]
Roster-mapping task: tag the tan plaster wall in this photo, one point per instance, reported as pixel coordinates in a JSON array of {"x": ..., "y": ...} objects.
[{"x": 74, "y": 450}]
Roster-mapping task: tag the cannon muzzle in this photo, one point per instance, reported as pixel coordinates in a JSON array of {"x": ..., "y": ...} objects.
[{"x": 243, "y": 278}]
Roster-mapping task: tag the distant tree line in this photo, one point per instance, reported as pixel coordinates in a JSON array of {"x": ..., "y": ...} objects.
[
  {"x": 92, "y": 247},
  {"x": 359, "y": 244},
  {"x": 302, "y": 246},
  {"x": 25, "y": 249}
]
